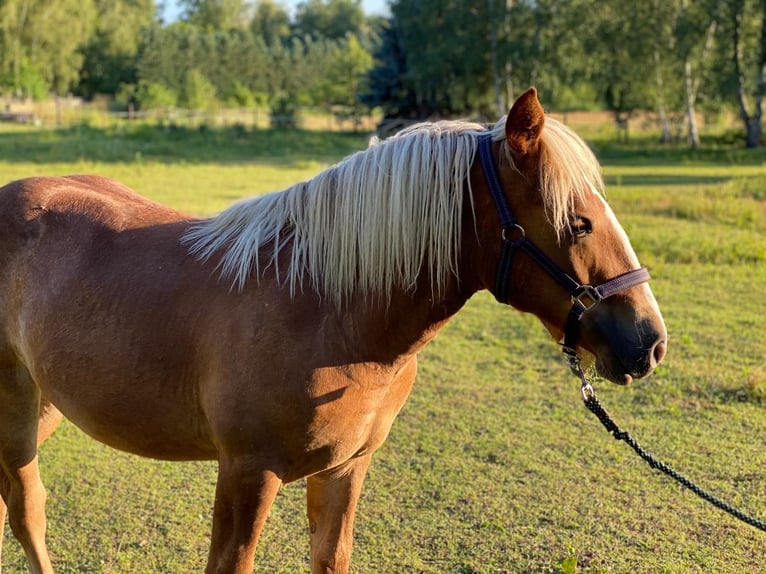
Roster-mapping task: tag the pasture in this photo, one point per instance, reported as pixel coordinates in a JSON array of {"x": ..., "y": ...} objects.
[{"x": 493, "y": 466}]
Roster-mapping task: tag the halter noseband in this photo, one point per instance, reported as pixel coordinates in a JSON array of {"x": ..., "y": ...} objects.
[{"x": 584, "y": 297}]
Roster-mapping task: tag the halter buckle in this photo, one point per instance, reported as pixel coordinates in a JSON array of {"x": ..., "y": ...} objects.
[
  {"x": 514, "y": 233},
  {"x": 587, "y": 297}
]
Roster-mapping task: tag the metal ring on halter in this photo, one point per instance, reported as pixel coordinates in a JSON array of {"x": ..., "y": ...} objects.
[
  {"x": 517, "y": 229},
  {"x": 587, "y": 296}
]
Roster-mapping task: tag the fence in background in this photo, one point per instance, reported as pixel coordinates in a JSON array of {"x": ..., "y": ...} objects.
[{"x": 66, "y": 112}]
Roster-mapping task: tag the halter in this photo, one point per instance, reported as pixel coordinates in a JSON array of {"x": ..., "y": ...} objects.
[{"x": 584, "y": 297}]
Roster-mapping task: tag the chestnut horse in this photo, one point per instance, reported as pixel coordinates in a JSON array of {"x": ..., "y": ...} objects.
[{"x": 280, "y": 338}]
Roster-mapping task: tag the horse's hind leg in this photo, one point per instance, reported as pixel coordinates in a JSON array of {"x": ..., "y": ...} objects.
[
  {"x": 49, "y": 419},
  {"x": 21, "y": 415},
  {"x": 332, "y": 497}
]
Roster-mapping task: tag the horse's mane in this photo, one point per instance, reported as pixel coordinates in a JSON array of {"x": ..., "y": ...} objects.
[{"x": 371, "y": 222}]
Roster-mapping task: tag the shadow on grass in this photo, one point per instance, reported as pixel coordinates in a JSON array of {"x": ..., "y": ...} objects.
[
  {"x": 648, "y": 152},
  {"x": 649, "y": 180},
  {"x": 173, "y": 144}
]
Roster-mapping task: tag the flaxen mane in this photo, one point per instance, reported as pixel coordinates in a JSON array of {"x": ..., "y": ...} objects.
[{"x": 378, "y": 218}]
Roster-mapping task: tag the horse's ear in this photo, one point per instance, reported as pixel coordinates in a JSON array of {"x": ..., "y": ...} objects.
[{"x": 525, "y": 123}]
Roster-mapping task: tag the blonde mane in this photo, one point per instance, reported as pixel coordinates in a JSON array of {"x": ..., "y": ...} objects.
[{"x": 375, "y": 220}]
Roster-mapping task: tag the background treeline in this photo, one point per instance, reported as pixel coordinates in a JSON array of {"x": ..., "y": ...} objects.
[{"x": 678, "y": 58}]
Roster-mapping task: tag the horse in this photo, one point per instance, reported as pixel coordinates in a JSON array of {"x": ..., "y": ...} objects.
[{"x": 280, "y": 337}]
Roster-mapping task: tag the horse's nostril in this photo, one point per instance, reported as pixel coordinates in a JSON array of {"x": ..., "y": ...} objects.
[{"x": 658, "y": 353}]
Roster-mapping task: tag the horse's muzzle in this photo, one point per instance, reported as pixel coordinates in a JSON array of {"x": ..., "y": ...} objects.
[{"x": 628, "y": 354}]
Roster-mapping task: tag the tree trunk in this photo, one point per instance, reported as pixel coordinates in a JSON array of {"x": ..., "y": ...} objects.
[
  {"x": 691, "y": 83},
  {"x": 690, "y": 97},
  {"x": 757, "y": 130},
  {"x": 752, "y": 123},
  {"x": 753, "y": 133},
  {"x": 659, "y": 79},
  {"x": 667, "y": 136}
]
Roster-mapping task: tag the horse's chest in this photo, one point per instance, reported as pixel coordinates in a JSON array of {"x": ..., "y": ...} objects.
[{"x": 351, "y": 416}]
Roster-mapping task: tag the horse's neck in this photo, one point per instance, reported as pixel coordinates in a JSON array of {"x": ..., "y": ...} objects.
[
  {"x": 410, "y": 320},
  {"x": 393, "y": 331}
]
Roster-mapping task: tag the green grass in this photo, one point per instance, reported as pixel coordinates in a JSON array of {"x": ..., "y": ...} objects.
[{"x": 493, "y": 466}]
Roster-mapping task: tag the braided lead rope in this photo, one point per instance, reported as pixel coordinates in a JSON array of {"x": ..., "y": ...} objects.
[{"x": 594, "y": 406}]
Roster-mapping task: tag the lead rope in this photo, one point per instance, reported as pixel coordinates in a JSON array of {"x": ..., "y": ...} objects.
[{"x": 594, "y": 406}]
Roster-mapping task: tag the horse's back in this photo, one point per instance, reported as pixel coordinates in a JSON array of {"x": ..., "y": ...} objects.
[
  {"x": 54, "y": 228},
  {"x": 105, "y": 200}
]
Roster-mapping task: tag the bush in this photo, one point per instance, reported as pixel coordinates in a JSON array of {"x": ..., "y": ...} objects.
[
  {"x": 150, "y": 95},
  {"x": 241, "y": 96},
  {"x": 198, "y": 92},
  {"x": 284, "y": 113}
]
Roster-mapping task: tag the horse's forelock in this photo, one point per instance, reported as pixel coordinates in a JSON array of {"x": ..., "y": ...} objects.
[{"x": 569, "y": 171}]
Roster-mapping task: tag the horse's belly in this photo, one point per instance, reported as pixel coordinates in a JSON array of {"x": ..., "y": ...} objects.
[
  {"x": 145, "y": 423},
  {"x": 160, "y": 439}
]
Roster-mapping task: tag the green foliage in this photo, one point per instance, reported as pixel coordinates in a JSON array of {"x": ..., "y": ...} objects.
[
  {"x": 234, "y": 62},
  {"x": 26, "y": 82},
  {"x": 150, "y": 95},
  {"x": 329, "y": 19},
  {"x": 385, "y": 81},
  {"x": 569, "y": 564},
  {"x": 283, "y": 113},
  {"x": 445, "y": 46},
  {"x": 270, "y": 23},
  {"x": 110, "y": 53},
  {"x": 621, "y": 49},
  {"x": 241, "y": 96},
  {"x": 216, "y": 14},
  {"x": 347, "y": 65},
  {"x": 46, "y": 37},
  {"x": 432, "y": 58},
  {"x": 198, "y": 93}
]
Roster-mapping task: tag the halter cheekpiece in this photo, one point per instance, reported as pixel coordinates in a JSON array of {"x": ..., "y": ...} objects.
[{"x": 584, "y": 297}]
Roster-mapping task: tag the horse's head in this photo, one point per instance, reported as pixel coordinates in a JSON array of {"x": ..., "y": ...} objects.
[{"x": 559, "y": 252}]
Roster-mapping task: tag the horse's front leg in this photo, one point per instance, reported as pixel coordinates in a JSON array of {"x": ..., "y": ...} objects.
[
  {"x": 2, "y": 529},
  {"x": 244, "y": 494},
  {"x": 332, "y": 497}
]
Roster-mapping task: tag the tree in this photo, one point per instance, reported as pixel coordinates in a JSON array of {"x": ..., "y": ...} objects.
[
  {"x": 151, "y": 95},
  {"x": 695, "y": 32},
  {"x": 620, "y": 51},
  {"x": 329, "y": 19},
  {"x": 198, "y": 92},
  {"x": 165, "y": 53},
  {"x": 216, "y": 14},
  {"x": 341, "y": 83},
  {"x": 385, "y": 87},
  {"x": 446, "y": 47},
  {"x": 270, "y": 22},
  {"x": 44, "y": 38},
  {"x": 110, "y": 54},
  {"x": 748, "y": 42}
]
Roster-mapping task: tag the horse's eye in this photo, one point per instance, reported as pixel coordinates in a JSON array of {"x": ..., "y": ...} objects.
[{"x": 581, "y": 226}]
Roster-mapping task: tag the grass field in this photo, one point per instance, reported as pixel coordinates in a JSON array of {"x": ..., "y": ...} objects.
[{"x": 493, "y": 465}]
